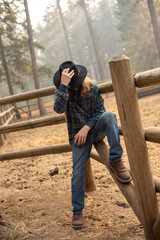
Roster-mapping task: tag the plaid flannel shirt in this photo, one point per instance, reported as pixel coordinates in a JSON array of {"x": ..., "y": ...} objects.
[{"x": 80, "y": 111}]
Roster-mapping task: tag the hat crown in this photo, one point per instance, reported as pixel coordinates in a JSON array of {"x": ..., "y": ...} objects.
[
  {"x": 80, "y": 73},
  {"x": 70, "y": 65}
]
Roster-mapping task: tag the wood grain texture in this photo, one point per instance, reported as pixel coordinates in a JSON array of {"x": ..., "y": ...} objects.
[
  {"x": 147, "y": 78},
  {"x": 127, "y": 189},
  {"x": 35, "y": 152},
  {"x": 90, "y": 184},
  {"x": 127, "y": 102}
]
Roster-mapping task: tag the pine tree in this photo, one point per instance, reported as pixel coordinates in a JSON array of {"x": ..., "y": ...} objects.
[
  {"x": 65, "y": 31},
  {"x": 33, "y": 57},
  {"x": 8, "y": 22},
  {"x": 154, "y": 21},
  {"x": 14, "y": 41},
  {"x": 136, "y": 33},
  {"x": 82, "y": 3}
]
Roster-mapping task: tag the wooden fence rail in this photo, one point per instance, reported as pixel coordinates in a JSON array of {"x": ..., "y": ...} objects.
[
  {"x": 29, "y": 107},
  {"x": 7, "y": 115},
  {"x": 2, "y": 114},
  {"x": 152, "y": 134},
  {"x": 147, "y": 78},
  {"x": 142, "y": 79}
]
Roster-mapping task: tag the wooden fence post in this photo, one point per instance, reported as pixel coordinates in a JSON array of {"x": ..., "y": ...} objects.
[
  {"x": 29, "y": 109},
  {"x": 2, "y": 121},
  {"x": 10, "y": 113},
  {"x": 89, "y": 178},
  {"x": 127, "y": 102}
]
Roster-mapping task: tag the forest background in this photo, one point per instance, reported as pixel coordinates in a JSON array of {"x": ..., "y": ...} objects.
[{"x": 88, "y": 32}]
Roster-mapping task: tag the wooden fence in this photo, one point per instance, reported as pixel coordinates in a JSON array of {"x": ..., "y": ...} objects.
[
  {"x": 127, "y": 102},
  {"x": 142, "y": 195},
  {"x": 7, "y": 115},
  {"x": 28, "y": 107}
]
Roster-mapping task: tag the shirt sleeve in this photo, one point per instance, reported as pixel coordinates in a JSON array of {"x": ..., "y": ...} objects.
[
  {"x": 61, "y": 98},
  {"x": 98, "y": 110}
]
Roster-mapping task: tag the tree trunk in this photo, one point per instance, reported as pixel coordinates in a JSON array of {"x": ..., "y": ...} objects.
[
  {"x": 154, "y": 24},
  {"x": 65, "y": 31},
  {"x": 93, "y": 63},
  {"x": 6, "y": 69},
  {"x": 98, "y": 57},
  {"x": 33, "y": 57},
  {"x": 115, "y": 43}
]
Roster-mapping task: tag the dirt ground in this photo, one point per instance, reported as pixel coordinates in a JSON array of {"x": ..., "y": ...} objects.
[{"x": 36, "y": 205}]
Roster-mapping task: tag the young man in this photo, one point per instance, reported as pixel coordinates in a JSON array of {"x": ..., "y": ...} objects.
[{"x": 88, "y": 122}]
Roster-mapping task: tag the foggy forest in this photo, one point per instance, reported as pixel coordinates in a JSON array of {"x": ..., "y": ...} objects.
[{"x": 88, "y": 32}]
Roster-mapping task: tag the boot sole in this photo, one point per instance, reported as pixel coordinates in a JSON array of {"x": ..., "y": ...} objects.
[{"x": 77, "y": 226}]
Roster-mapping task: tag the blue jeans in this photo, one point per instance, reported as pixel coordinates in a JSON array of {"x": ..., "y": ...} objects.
[{"x": 105, "y": 126}]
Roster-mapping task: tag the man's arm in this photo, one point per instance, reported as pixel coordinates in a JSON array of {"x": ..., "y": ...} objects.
[{"x": 81, "y": 136}]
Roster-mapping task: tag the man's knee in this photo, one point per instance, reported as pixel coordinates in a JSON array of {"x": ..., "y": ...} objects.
[{"x": 109, "y": 118}]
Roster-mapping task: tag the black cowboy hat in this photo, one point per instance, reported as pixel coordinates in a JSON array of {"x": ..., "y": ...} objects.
[{"x": 80, "y": 74}]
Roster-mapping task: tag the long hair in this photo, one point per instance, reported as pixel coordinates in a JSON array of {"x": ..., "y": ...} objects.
[{"x": 87, "y": 84}]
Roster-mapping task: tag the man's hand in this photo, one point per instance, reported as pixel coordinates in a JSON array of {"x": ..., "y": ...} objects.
[
  {"x": 81, "y": 136},
  {"x": 66, "y": 77}
]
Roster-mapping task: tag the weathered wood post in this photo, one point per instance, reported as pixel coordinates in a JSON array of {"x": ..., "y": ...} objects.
[
  {"x": 6, "y": 107},
  {"x": 13, "y": 111},
  {"x": 89, "y": 178},
  {"x": 29, "y": 109},
  {"x": 2, "y": 121},
  {"x": 1, "y": 139},
  {"x": 127, "y": 102}
]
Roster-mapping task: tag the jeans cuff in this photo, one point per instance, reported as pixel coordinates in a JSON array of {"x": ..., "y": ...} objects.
[
  {"x": 115, "y": 160},
  {"x": 77, "y": 211}
]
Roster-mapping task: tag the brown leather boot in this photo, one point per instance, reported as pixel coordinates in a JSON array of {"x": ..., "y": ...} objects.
[
  {"x": 77, "y": 221},
  {"x": 121, "y": 172}
]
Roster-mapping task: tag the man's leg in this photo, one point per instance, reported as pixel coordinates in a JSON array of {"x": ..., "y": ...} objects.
[
  {"x": 107, "y": 126},
  {"x": 80, "y": 155}
]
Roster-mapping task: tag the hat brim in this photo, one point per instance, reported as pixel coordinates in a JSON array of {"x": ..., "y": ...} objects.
[{"x": 75, "y": 81}]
